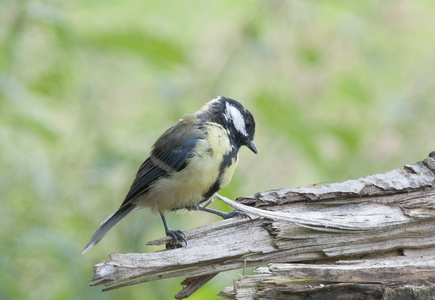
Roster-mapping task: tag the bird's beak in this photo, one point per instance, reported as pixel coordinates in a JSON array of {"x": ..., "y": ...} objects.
[{"x": 251, "y": 145}]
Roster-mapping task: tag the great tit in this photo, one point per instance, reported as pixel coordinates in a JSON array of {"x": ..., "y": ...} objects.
[{"x": 188, "y": 164}]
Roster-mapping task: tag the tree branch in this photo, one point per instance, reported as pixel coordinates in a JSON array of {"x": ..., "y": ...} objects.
[{"x": 358, "y": 237}]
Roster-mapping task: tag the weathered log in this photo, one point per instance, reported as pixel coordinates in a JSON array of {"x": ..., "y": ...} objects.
[{"x": 372, "y": 238}]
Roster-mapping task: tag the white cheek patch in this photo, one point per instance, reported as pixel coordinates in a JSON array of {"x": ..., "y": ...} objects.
[{"x": 232, "y": 113}]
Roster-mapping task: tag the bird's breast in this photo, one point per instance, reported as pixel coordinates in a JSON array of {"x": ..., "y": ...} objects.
[{"x": 186, "y": 188}]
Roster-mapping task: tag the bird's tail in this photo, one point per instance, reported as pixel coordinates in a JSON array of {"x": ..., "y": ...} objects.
[{"x": 107, "y": 224}]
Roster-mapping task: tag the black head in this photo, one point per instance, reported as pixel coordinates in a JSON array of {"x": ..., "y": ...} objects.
[{"x": 233, "y": 116}]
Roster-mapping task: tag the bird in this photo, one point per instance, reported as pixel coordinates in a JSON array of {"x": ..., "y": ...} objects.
[{"x": 187, "y": 165}]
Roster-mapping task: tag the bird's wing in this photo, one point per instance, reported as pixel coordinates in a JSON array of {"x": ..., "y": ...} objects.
[{"x": 169, "y": 154}]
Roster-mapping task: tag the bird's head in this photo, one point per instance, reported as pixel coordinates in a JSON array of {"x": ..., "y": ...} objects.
[{"x": 234, "y": 117}]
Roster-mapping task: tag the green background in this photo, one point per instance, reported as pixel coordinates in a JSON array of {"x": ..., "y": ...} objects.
[{"x": 339, "y": 90}]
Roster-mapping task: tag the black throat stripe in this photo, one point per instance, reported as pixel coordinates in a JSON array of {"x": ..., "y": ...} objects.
[{"x": 226, "y": 162}]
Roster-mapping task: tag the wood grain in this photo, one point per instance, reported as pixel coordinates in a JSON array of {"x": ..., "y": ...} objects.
[{"x": 365, "y": 239}]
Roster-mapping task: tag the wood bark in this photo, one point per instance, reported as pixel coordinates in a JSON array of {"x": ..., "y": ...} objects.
[{"x": 370, "y": 238}]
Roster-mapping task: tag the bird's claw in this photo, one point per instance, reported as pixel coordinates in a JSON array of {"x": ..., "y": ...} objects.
[
  {"x": 236, "y": 213},
  {"x": 178, "y": 239}
]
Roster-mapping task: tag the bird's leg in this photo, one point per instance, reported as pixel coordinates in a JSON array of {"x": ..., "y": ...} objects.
[
  {"x": 221, "y": 214},
  {"x": 225, "y": 215},
  {"x": 178, "y": 237}
]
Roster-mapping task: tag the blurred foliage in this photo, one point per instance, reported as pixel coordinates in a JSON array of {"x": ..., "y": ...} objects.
[{"x": 339, "y": 90}]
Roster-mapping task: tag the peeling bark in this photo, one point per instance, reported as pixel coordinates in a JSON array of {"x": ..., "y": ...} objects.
[{"x": 370, "y": 238}]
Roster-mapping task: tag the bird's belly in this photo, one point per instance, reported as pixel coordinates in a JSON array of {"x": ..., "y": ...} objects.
[{"x": 186, "y": 188}]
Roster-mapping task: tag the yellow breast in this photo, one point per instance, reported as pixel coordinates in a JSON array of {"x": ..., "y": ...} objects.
[{"x": 187, "y": 187}]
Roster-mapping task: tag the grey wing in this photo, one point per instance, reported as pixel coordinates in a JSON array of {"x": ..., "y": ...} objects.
[{"x": 168, "y": 155}]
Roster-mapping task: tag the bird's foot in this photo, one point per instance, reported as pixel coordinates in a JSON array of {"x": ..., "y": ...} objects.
[
  {"x": 178, "y": 239},
  {"x": 225, "y": 215},
  {"x": 235, "y": 213}
]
